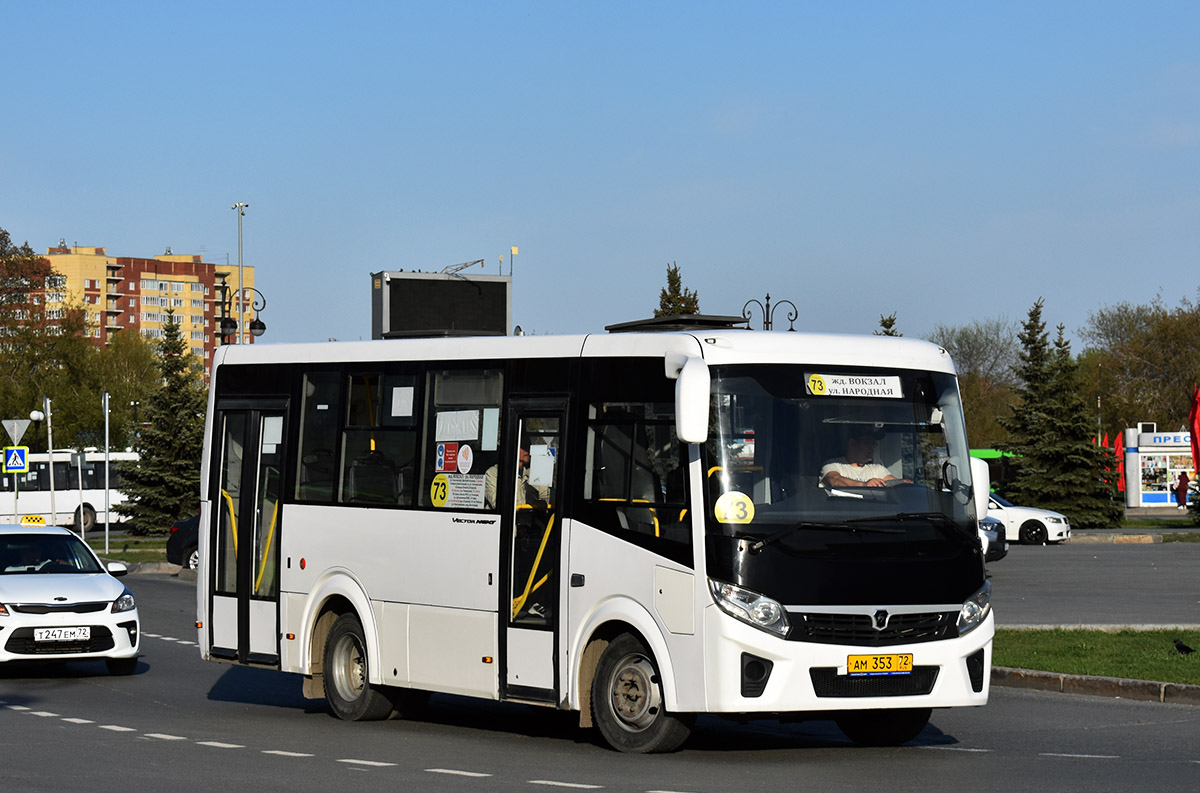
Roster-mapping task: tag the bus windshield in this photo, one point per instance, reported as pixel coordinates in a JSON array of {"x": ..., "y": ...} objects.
[{"x": 834, "y": 462}]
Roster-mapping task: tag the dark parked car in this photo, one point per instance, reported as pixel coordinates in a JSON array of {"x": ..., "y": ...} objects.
[{"x": 183, "y": 546}]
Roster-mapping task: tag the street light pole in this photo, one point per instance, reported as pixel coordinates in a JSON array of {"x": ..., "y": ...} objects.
[{"x": 240, "y": 207}]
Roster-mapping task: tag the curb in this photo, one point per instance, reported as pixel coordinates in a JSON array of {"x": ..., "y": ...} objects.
[
  {"x": 1085, "y": 539},
  {"x": 1120, "y": 688}
]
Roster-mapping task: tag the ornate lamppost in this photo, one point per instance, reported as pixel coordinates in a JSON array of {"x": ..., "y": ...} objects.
[{"x": 768, "y": 312}]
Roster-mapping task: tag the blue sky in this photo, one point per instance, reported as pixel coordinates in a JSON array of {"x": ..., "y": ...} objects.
[{"x": 944, "y": 161}]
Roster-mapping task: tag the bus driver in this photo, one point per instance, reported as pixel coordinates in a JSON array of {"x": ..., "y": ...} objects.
[{"x": 858, "y": 468}]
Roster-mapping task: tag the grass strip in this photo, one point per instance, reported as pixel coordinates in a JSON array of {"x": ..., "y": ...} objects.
[
  {"x": 129, "y": 549},
  {"x": 1138, "y": 655}
]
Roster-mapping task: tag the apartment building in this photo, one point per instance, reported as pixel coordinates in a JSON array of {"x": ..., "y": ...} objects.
[{"x": 125, "y": 293}]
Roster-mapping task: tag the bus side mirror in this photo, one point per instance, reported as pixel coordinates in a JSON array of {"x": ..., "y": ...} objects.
[
  {"x": 981, "y": 486},
  {"x": 692, "y": 383}
]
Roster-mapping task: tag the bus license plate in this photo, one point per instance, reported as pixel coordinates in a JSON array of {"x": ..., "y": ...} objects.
[
  {"x": 62, "y": 634},
  {"x": 899, "y": 664}
]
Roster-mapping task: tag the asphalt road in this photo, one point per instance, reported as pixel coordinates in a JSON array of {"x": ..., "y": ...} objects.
[
  {"x": 1098, "y": 584},
  {"x": 190, "y": 726}
]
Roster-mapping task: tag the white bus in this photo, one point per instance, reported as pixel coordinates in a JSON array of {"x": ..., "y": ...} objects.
[
  {"x": 632, "y": 525},
  {"x": 81, "y": 507}
]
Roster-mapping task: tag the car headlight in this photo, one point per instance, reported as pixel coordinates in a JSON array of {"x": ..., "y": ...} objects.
[
  {"x": 750, "y": 607},
  {"x": 124, "y": 603},
  {"x": 975, "y": 610},
  {"x": 3, "y": 610},
  {"x": 1051, "y": 519}
]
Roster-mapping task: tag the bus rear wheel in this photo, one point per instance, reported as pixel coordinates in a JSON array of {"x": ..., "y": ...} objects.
[
  {"x": 85, "y": 517},
  {"x": 346, "y": 674},
  {"x": 627, "y": 701},
  {"x": 883, "y": 727}
]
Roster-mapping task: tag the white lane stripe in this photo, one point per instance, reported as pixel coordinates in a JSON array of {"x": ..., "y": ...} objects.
[
  {"x": 455, "y": 772},
  {"x": 43, "y": 713},
  {"x": 116, "y": 728},
  {"x": 282, "y": 753},
  {"x": 955, "y": 749},
  {"x": 79, "y": 721},
  {"x": 168, "y": 638},
  {"x": 219, "y": 745},
  {"x": 162, "y": 737},
  {"x": 372, "y": 763},
  {"x": 1081, "y": 756},
  {"x": 17, "y": 707},
  {"x": 152, "y": 635},
  {"x": 552, "y": 783}
]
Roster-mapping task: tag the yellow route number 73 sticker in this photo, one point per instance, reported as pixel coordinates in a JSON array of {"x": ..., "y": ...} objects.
[{"x": 734, "y": 507}]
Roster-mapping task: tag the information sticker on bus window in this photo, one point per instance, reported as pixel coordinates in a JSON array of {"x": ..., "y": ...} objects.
[
  {"x": 855, "y": 385},
  {"x": 734, "y": 507}
]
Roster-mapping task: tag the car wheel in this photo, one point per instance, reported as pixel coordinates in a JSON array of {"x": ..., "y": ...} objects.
[
  {"x": 883, "y": 727},
  {"x": 86, "y": 521},
  {"x": 121, "y": 666},
  {"x": 1033, "y": 533},
  {"x": 627, "y": 701},
  {"x": 346, "y": 674},
  {"x": 191, "y": 558}
]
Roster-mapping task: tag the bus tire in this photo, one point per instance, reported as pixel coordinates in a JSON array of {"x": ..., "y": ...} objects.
[
  {"x": 883, "y": 727},
  {"x": 87, "y": 520},
  {"x": 627, "y": 701},
  {"x": 346, "y": 674},
  {"x": 1033, "y": 533}
]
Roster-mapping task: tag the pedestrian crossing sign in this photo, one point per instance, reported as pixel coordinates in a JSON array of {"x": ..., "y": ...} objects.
[{"x": 16, "y": 459}]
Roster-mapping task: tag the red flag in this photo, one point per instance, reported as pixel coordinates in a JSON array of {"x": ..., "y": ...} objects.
[
  {"x": 1119, "y": 451},
  {"x": 1106, "y": 440},
  {"x": 1194, "y": 425}
]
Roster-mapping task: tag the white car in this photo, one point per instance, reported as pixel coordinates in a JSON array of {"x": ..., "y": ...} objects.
[
  {"x": 1028, "y": 525},
  {"x": 58, "y": 602}
]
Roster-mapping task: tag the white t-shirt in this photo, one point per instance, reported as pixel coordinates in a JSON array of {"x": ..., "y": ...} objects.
[{"x": 859, "y": 473}]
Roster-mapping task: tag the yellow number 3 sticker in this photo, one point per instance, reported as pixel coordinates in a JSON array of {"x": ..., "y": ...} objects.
[
  {"x": 439, "y": 490},
  {"x": 816, "y": 385},
  {"x": 734, "y": 507}
]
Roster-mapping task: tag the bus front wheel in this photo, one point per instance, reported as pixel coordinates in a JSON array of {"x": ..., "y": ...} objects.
[
  {"x": 346, "y": 676},
  {"x": 627, "y": 701},
  {"x": 883, "y": 727}
]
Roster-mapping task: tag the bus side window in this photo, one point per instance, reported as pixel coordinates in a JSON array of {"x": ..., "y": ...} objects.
[
  {"x": 319, "y": 425},
  {"x": 462, "y": 438},
  {"x": 634, "y": 480}
]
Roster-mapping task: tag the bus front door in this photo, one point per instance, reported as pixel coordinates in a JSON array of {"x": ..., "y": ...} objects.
[
  {"x": 530, "y": 606},
  {"x": 244, "y": 613}
]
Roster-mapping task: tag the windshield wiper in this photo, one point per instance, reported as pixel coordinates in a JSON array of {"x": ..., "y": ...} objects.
[
  {"x": 758, "y": 545},
  {"x": 937, "y": 519}
]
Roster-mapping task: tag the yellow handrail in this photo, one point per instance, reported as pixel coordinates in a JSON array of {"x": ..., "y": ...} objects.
[
  {"x": 232, "y": 520},
  {"x": 262, "y": 569},
  {"x": 519, "y": 603}
]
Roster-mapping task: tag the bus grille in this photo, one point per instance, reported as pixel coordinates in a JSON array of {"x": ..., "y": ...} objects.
[
  {"x": 21, "y": 643},
  {"x": 858, "y": 629},
  {"x": 828, "y": 683}
]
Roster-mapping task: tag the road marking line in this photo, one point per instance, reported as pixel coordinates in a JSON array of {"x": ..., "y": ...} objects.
[
  {"x": 455, "y": 772},
  {"x": 116, "y": 728},
  {"x": 1081, "y": 756},
  {"x": 552, "y": 783},
  {"x": 219, "y": 745},
  {"x": 42, "y": 713},
  {"x": 956, "y": 749},
  {"x": 372, "y": 763},
  {"x": 152, "y": 635},
  {"x": 17, "y": 707},
  {"x": 79, "y": 721},
  {"x": 162, "y": 737},
  {"x": 282, "y": 753},
  {"x": 168, "y": 638}
]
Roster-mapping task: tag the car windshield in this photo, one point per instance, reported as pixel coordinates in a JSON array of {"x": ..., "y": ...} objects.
[
  {"x": 1001, "y": 501},
  {"x": 33, "y": 554},
  {"x": 835, "y": 450}
]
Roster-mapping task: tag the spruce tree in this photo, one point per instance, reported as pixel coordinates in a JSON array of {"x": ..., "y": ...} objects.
[
  {"x": 165, "y": 484},
  {"x": 887, "y": 326},
  {"x": 674, "y": 299},
  {"x": 1059, "y": 465}
]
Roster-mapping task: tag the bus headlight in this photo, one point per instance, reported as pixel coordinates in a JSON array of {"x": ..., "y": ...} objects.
[
  {"x": 975, "y": 610},
  {"x": 750, "y": 607}
]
